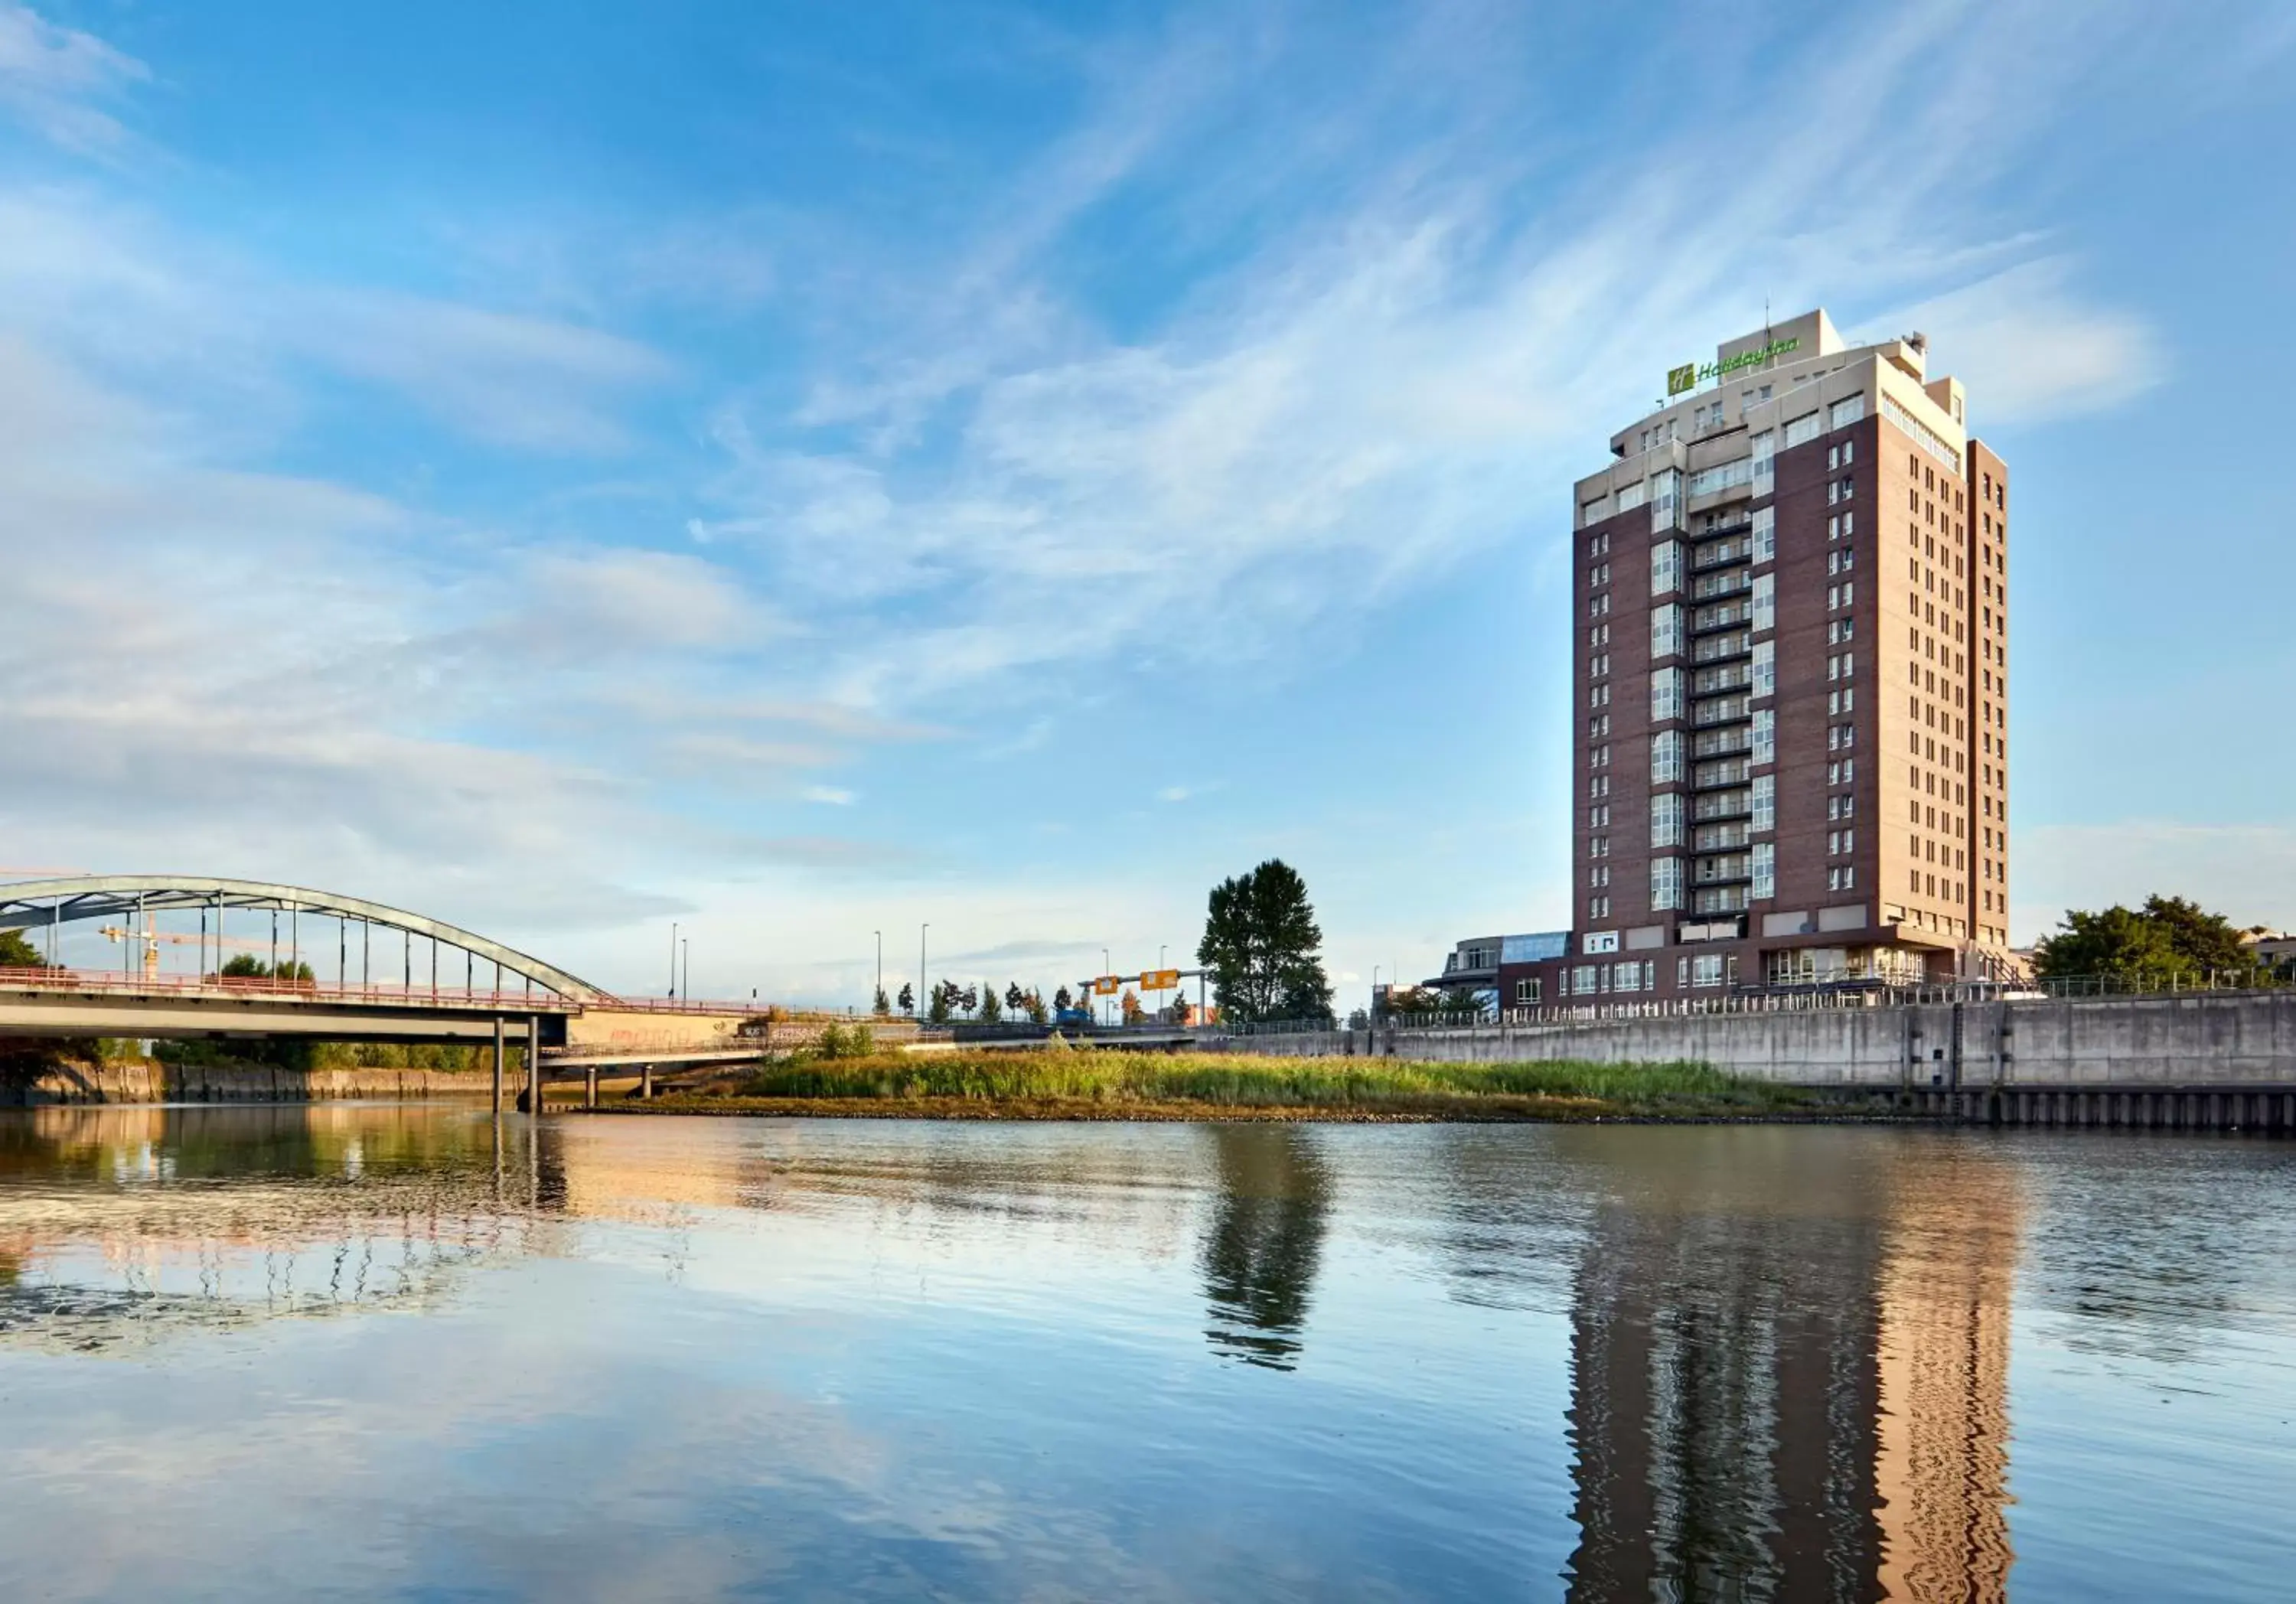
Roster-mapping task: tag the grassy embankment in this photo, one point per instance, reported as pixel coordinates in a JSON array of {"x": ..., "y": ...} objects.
[{"x": 1111, "y": 1084}]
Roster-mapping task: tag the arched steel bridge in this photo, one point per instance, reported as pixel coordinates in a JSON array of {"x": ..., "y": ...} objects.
[{"x": 42, "y": 908}]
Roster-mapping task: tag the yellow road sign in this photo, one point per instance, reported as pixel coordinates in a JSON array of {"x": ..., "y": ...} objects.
[{"x": 1160, "y": 979}]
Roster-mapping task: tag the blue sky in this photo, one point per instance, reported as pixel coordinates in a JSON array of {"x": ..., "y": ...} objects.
[{"x": 804, "y": 470}]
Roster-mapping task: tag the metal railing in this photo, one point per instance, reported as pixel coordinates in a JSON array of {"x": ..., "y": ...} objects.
[{"x": 285, "y": 988}]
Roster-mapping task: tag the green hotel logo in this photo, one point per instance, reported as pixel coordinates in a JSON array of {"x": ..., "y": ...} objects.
[{"x": 1688, "y": 376}]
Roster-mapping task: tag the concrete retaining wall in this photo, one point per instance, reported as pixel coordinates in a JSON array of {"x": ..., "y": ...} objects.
[
  {"x": 2220, "y": 1040},
  {"x": 148, "y": 1081}
]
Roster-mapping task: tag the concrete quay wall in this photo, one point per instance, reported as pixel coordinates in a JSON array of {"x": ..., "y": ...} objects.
[
  {"x": 149, "y": 1080},
  {"x": 2225, "y": 1040}
]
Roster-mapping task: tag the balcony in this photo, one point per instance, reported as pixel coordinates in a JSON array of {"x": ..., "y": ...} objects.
[
  {"x": 1720, "y": 837},
  {"x": 1722, "y": 709},
  {"x": 1724, "y": 742},
  {"x": 1729, "y": 582},
  {"x": 1715, "y": 553},
  {"x": 1718, "y": 899},
  {"x": 1723, "y": 804},
  {"x": 1732, "y": 676},
  {"x": 1713, "y": 776},
  {"x": 1720, "y": 615},
  {"x": 1714, "y": 649},
  {"x": 1727, "y": 869}
]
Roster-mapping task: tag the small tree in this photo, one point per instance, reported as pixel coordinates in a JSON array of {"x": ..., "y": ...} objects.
[
  {"x": 938, "y": 1012},
  {"x": 1264, "y": 948},
  {"x": 1130, "y": 1003},
  {"x": 908, "y": 998},
  {"x": 971, "y": 997},
  {"x": 1033, "y": 1005},
  {"x": 2168, "y": 935},
  {"x": 1063, "y": 1000},
  {"x": 18, "y": 953},
  {"x": 1015, "y": 999},
  {"x": 883, "y": 1005},
  {"x": 992, "y": 1012}
]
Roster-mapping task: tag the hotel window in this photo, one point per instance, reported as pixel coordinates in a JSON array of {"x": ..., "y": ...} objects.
[
  {"x": 1838, "y": 702},
  {"x": 1765, "y": 600},
  {"x": 1765, "y": 803},
  {"x": 1666, "y": 758},
  {"x": 1665, "y": 499},
  {"x": 1598, "y": 907},
  {"x": 1665, "y": 883},
  {"x": 1765, "y": 736},
  {"x": 1666, "y": 819},
  {"x": 1765, "y": 668},
  {"x": 1666, "y": 567},
  {"x": 1598, "y": 726},
  {"x": 1526, "y": 991},
  {"x": 1601, "y": 757},
  {"x": 1765, "y": 460},
  {"x": 1665, "y": 630},
  {"x": 1634, "y": 495},
  {"x": 1838, "y": 631},
  {"x": 1599, "y": 876},
  {"x": 1599, "y": 607},
  {"x": 1841, "y": 877},
  {"x": 1766, "y": 534},
  {"x": 1586, "y": 979},
  {"x": 1840, "y": 560},
  {"x": 1838, "y": 808},
  {"x": 1706, "y": 970},
  {"x": 1766, "y": 868},
  {"x": 1599, "y": 786},
  {"x": 1627, "y": 977},
  {"x": 1848, "y": 412},
  {"x": 1595, "y": 512},
  {"x": 1798, "y": 429}
]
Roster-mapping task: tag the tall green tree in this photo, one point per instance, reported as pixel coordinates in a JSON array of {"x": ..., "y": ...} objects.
[
  {"x": 992, "y": 1012},
  {"x": 16, "y": 952},
  {"x": 1264, "y": 948},
  {"x": 884, "y": 1004},
  {"x": 908, "y": 998}
]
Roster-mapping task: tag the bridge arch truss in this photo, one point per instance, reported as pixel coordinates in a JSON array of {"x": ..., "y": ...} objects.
[{"x": 44, "y": 907}]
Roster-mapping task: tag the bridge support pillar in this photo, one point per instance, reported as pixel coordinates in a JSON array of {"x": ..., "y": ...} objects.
[
  {"x": 590, "y": 1087},
  {"x": 534, "y": 1064},
  {"x": 498, "y": 1066},
  {"x": 646, "y": 1080}
]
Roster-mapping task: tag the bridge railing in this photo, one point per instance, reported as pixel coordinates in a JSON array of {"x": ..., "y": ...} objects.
[{"x": 281, "y": 988}]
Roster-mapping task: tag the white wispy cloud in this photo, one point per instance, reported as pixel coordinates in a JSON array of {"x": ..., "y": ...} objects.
[
  {"x": 56, "y": 80},
  {"x": 830, "y": 795},
  {"x": 1385, "y": 386}
]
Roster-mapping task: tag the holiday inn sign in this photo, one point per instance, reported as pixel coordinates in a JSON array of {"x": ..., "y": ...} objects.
[{"x": 1688, "y": 376}]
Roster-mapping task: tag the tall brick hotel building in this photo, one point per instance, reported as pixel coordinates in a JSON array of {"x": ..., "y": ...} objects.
[{"x": 1790, "y": 688}]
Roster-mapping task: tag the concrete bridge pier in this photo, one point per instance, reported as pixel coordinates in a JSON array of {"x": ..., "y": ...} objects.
[
  {"x": 645, "y": 1082},
  {"x": 534, "y": 1064},
  {"x": 498, "y": 1066},
  {"x": 590, "y": 1087}
]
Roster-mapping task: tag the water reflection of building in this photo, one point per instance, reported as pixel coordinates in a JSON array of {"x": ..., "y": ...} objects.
[
  {"x": 1781, "y": 1390},
  {"x": 1265, "y": 1238},
  {"x": 1942, "y": 1468}
]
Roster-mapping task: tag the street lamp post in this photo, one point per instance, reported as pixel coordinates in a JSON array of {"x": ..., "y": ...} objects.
[
  {"x": 673, "y": 958},
  {"x": 921, "y": 966},
  {"x": 881, "y": 971}
]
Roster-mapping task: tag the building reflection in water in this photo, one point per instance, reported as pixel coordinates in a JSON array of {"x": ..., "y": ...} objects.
[
  {"x": 1790, "y": 1383},
  {"x": 1264, "y": 1241}
]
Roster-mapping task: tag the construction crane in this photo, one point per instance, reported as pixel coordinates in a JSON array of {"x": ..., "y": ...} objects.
[{"x": 152, "y": 940}]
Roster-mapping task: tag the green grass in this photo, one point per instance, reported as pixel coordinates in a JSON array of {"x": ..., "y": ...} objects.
[{"x": 1240, "y": 1081}]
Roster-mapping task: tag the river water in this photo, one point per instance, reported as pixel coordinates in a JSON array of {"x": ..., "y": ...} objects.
[{"x": 349, "y": 1352}]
